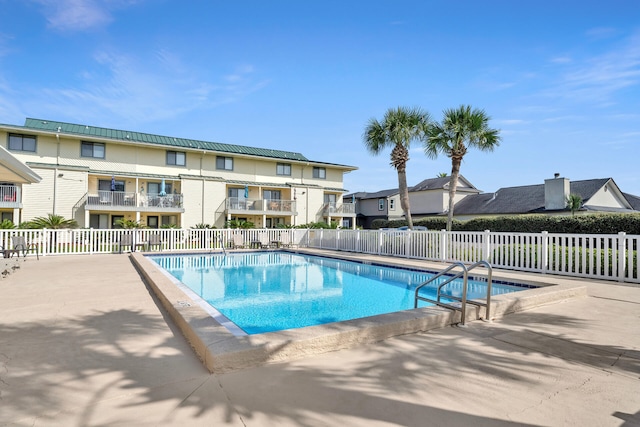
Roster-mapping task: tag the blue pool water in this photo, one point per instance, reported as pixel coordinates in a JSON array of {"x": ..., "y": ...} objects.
[{"x": 272, "y": 291}]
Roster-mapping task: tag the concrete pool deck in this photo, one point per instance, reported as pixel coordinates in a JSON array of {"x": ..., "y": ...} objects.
[{"x": 83, "y": 342}]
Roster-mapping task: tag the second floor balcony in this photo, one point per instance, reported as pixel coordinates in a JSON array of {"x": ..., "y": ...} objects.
[
  {"x": 339, "y": 209},
  {"x": 235, "y": 205},
  {"x": 140, "y": 201},
  {"x": 10, "y": 196}
]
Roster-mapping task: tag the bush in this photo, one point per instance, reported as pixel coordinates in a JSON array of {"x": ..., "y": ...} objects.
[{"x": 581, "y": 224}]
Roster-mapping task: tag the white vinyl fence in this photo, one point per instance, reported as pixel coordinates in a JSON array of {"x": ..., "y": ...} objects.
[{"x": 601, "y": 256}]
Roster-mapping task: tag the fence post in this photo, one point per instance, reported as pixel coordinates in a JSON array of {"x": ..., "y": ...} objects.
[
  {"x": 486, "y": 246},
  {"x": 622, "y": 256},
  {"x": 544, "y": 255},
  {"x": 46, "y": 238},
  {"x": 443, "y": 245}
]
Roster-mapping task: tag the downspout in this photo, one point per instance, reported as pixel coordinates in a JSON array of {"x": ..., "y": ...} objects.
[
  {"x": 55, "y": 174},
  {"x": 203, "y": 189}
]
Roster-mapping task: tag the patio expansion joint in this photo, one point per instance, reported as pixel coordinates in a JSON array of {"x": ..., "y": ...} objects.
[
  {"x": 228, "y": 398},
  {"x": 550, "y": 397}
]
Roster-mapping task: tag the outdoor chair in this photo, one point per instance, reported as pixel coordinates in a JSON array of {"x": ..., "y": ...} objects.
[
  {"x": 127, "y": 240},
  {"x": 20, "y": 245},
  {"x": 265, "y": 243},
  {"x": 238, "y": 241},
  {"x": 286, "y": 240},
  {"x": 155, "y": 240}
]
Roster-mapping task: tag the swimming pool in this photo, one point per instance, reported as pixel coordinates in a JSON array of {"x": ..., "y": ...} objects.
[{"x": 262, "y": 292}]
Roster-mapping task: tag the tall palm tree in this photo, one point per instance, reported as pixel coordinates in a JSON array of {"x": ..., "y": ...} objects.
[
  {"x": 461, "y": 128},
  {"x": 397, "y": 129}
]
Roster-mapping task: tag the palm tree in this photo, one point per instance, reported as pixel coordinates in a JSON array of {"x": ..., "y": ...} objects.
[
  {"x": 397, "y": 129},
  {"x": 53, "y": 222},
  {"x": 574, "y": 203},
  {"x": 461, "y": 128}
]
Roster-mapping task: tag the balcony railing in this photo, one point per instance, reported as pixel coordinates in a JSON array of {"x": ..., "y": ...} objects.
[
  {"x": 334, "y": 209},
  {"x": 10, "y": 196},
  {"x": 122, "y": 199},
  {"x": 260, "y": 206}
]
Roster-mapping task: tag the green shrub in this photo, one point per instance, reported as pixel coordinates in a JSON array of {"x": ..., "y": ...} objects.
[{"x": 581, "y": 224}]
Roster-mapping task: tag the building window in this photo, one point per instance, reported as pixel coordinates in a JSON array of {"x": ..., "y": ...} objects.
[
  {"x": 224, "y": 163},
  {"x": 272, "y": 194},
  {"x": 169, "y": 220},
  {"x": 392, "y": 204},
  {"x": 155, "y": 188},
  {"x": 105, "y": 185},
  {"x": 320, "y": 173},
  {"x": 176, "y": 158},
  {"x": 22, "y": 142},
  {"x": 92, "y": 149},
  {"x": 283, "y": 169},
  {"x": 380, "y": 204}
]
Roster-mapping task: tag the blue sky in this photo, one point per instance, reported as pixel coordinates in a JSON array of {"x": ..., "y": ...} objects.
[{"x": 560, "y": 79}]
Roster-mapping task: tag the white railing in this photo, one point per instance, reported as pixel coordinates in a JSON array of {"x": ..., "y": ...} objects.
[
  {"x": 117, "y": 199},
  {"x": 260, "y": 205},
  {"x": 334, "y": 208},
  {"x": 598, "y": 256},
  {"x": 10, "y": 196},
  {"x": 93, "y": 241}
]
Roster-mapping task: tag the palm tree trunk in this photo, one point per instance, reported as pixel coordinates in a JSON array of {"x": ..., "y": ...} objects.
[
  {"x": 453, "y": 185},
  {"x": 404, "y": 197}
]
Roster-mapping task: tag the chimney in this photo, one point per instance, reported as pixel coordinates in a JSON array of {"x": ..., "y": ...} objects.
[{"x": 556, "y": 192}]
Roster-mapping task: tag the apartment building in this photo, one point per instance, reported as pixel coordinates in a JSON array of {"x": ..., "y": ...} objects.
[{"x": 98, "y": 176}]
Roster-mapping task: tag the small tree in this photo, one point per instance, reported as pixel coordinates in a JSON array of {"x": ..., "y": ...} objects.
[
  {"x": 238, "y": 223},
  {"x": 574, "y": 203},
  {"x": 129, "y": 224},
  {"x": 7, "y": 224},
  {"x": 53, "y": 222}
]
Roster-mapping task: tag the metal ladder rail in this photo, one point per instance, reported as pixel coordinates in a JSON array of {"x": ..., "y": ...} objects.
[
  {"x": 224, "y": 251},
  {"x": 486, "y": 304},
  {"x": 463, "y": 300}
]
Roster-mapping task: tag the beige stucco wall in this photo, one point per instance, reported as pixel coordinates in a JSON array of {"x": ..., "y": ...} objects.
[{"x": 138, "y": 165}]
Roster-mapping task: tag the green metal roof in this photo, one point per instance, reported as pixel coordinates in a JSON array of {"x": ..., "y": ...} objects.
[{"x": 123, "y": 135}]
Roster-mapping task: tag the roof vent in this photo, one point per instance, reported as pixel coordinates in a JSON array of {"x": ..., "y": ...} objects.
[
  {"x": 556, "y": 175},
  {"x": 59, "y": 128}
]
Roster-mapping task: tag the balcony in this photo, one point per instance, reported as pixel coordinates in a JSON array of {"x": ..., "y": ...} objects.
[
  {"x": 124, "y": 201},
  {"x": 235, "y": 205},
  {"x": 344, "y": 209},
  {"x": 10, "y": 196}
]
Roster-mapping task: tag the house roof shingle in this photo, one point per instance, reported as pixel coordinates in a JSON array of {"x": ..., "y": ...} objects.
[{"x": 520, "y": 200}]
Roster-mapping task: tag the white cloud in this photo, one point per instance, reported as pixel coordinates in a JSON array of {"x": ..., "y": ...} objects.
[
  {"x": 139, "y": 90},
  {"x": 597, "y": 79},
  {"x": 80, "y": 15}
]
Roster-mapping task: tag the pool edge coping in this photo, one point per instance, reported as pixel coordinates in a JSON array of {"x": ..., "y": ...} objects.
[{"x": 221, "y": 351}]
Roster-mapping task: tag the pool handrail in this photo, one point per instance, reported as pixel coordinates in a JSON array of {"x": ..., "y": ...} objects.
[
  {"x": 463, "y": 300},
  {"x": 487, "y": 304}
]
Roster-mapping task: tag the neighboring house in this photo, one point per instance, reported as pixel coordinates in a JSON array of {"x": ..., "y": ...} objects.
[
  {"x": 598, "y": 195},
  {"x": 383, "y": 204},
  {"x": 427, "y": 198},
  {"x": 98, "y": 176},
  {"x": 431, "y": 196}
]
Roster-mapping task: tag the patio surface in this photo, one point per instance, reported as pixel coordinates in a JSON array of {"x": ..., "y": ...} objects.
[{"x": 83, "y": 342}]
